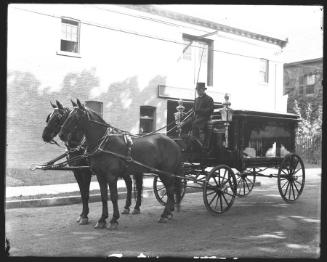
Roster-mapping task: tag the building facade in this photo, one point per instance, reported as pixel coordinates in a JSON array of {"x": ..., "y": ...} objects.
[
  {"x": 133, "y": 62},
  {"x": 304, "y": 78}
]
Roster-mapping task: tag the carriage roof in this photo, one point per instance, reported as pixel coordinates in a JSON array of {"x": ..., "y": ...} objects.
[{"x": 261, "y": 115}]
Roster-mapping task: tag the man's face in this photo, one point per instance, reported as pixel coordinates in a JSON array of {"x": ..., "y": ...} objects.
[{"x": 200, "y": 91}]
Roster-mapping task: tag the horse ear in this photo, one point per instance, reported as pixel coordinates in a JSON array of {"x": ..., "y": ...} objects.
[
  {"x": 54, "y": 106},
  {"x": 60, "y": 106},
  {"x": 80, "y": 104},
  {"x": 73, "y": 103}
]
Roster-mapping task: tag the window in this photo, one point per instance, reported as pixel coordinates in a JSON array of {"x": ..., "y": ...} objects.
[
  {"x": 263, "y": 70},
  {"x": 147, "y": 119},
  {"x": 198, "y": 58},
  {"x": 310, "y": 79},
  {"x": 309, "y": 90},
  {"x": 96, "y": 106},
  {"x": 70, "y": 35}
]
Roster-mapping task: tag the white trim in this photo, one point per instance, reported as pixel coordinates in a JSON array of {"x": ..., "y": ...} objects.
[{"x": 71, "y": 54}]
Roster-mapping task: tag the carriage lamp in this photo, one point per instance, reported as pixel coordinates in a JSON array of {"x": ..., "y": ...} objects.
[
  {"x": 226, "y": 116},
  {"x": 226, "y": 112},
  {"x": 178, "y": 116}
]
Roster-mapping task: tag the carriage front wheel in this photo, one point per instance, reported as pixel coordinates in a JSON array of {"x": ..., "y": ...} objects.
[
  {"x": 219, "y": 189},
  {"x": 160, "y": 192},
  {"x": 291, "y": 178}
]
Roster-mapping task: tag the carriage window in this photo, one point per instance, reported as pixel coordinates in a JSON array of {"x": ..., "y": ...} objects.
[
  {"x": 70, "y": 35},
  {"x": 263, "y": 70},
  {"x": 147, "y": 119}
]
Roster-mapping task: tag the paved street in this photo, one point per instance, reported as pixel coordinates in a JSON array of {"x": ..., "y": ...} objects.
[{"x": 259, "y": 225}]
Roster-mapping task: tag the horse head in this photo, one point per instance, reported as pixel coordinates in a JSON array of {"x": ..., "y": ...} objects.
[
  {"x": 54, "y": 121},
  {"x": 72, "y": 123}
]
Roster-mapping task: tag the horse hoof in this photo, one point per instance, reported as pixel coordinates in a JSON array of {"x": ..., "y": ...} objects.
[
  {"x": 136, "y": 212},
  {"x": 113, "y": 226},
  {"x": 126, "y": 211},
  {"x": 84, "y": 221},
  {"x": 100, "y": 225},
  {"x": 78, "y": 219},
  {"x": 163, "y": 220},
  {"x": 170, "y": 216}
]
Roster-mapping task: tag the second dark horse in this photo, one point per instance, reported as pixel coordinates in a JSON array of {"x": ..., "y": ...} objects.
[{"x": 157, "y": 151}]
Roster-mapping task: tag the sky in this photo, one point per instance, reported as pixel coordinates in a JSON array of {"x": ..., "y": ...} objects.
[{"x": 300, "y": 24}]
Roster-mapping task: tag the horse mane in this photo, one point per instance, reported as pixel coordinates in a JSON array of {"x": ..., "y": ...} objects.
[{"x": 95, "y": 116}]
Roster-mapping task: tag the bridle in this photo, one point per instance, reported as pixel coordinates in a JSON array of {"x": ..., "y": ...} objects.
[{"x": 61, "y": 115}]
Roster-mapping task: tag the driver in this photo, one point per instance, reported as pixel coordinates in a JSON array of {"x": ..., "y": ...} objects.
[{"x": 203, "y": 108}]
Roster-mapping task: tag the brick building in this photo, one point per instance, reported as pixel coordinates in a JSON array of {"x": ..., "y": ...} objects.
[
  {"x": 133, "y": 62},
  {"x": 303, "y": 78}
]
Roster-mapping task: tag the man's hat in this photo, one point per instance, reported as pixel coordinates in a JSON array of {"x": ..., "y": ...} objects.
[{"x": 200, "y": 85}]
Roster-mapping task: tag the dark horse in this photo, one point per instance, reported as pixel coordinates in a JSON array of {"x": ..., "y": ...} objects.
[
  {"x": 83, "y": 176},
  {"x": 157, "y": 151}
]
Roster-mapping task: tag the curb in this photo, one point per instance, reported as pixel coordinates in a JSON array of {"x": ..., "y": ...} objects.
[{"x": 70, "y": 200}]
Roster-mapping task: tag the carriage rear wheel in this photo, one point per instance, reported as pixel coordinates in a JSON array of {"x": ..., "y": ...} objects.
[
  {"x": 291, "y": 178},
  {"x": 219, "y": 189},
  {"x": 245, "y": 182},
  {"x": 160, "y": 190}
]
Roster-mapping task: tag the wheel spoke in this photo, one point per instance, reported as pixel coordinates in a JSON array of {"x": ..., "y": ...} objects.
[
  {"x": 293, "y": 191},
  {"x": 225, "y": 199},
  {"x": 158, "y": 189},
  {"x": 297, "y": 161},
  {"x": 289, "y": 192},
  {"x": 228, "y": 194},
  {"x": 284, "y": 172},
  {"x": 298, "y": 183},
  {"x": 284, "y": 184},
  {"x": 217, "y": 202},
  {"x": 221, "y": 203},
  {"x": 297, "y": 170},
  {"x": 286, "y": 189},
  {"x": 213, "y": 198},
  {"x": 250, "y": 181},
  {"x": 214, "y": 178},
  {"x": 208, "y": 194},
  {"x": 247, "y": 185},
  {"x": 296, "y": 187}
]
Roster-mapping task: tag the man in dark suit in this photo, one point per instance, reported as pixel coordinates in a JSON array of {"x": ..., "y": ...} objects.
[{"x": 203, "y": 108}]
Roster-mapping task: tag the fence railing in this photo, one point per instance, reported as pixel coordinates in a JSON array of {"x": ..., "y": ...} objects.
[{"x": 309, "y": 148}]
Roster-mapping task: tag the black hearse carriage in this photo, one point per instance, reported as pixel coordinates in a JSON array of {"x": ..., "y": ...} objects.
[{"x": 243, "y": 144}]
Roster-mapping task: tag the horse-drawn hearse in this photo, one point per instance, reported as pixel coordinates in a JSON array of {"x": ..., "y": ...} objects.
[{"x": 240, "y": 146}]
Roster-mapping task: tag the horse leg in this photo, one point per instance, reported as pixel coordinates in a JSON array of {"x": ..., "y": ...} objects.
[
  {"x": 104, "y": 198},
  {"x": 170, "y": 200},
  {"x": 79, "y": 178},
  {"x": 138, "y": 179},
  {"x": 86, "y": 180},
  {"x": 114, "y": 200},
  {"x": 128, "y": 182}
]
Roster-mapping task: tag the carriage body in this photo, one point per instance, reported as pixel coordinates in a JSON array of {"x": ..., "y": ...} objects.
[
  {"x": 255, "y": 139},
  {"x": 240, "y": 146}
]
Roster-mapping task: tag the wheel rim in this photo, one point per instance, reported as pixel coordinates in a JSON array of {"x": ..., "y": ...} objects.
[
  {"x": 160, "y": 190},
  {"x": 291, "y": 178},
  {"x": 245, "y": 183},
  {"x": 219, "y": 190}
]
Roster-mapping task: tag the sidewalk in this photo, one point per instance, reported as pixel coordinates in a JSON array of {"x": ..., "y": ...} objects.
[{"x": 63, "y": 194}]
